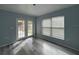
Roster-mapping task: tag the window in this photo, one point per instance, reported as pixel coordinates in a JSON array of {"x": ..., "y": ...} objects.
[
  {"x": 53, "y": 27},
  {"x": 46, "y": 27},
  {"x": 58, "y": 27},
  {"x": 21, "y": 28},
  {"x": 29, "y": 27}
]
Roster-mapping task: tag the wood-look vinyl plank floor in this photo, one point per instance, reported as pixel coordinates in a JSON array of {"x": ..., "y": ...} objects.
[{"x": 32, "y": 46}]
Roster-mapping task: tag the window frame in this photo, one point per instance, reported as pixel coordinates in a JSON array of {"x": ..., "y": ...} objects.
[
  {"x": 53, "y": 27},
  {"x": 46, "y": 27},
  {"x": 28, "y": 27}
]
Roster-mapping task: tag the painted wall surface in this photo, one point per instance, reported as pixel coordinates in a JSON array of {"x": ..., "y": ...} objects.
[
  {"x": 8, "y": 26},
  {"x": 71, "y": 27}
]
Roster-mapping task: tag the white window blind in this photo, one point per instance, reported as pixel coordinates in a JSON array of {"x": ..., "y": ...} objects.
[
  {"x": 58, "y": 27},
  {"x": 46, "y": 24},
  {"x": 53, "y": 27}
]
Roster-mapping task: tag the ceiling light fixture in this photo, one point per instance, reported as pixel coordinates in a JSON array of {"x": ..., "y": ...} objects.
[{"x": 34, "y": 4}]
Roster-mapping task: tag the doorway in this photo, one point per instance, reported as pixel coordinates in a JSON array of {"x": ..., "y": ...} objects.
[
  {"x": 24, "y": 28},
  {"x": 21, "y": 28}
]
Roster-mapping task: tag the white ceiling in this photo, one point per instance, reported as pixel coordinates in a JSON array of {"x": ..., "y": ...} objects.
[{"x": 29, "y": 9}]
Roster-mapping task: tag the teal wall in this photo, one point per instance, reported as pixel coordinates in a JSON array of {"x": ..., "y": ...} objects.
[
  {"x": 8, "y": 26},
  {"x": 71, "y": 27}
]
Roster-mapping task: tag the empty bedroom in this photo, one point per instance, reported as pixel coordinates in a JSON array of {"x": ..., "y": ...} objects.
[{"x": 39, "y": 29}]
